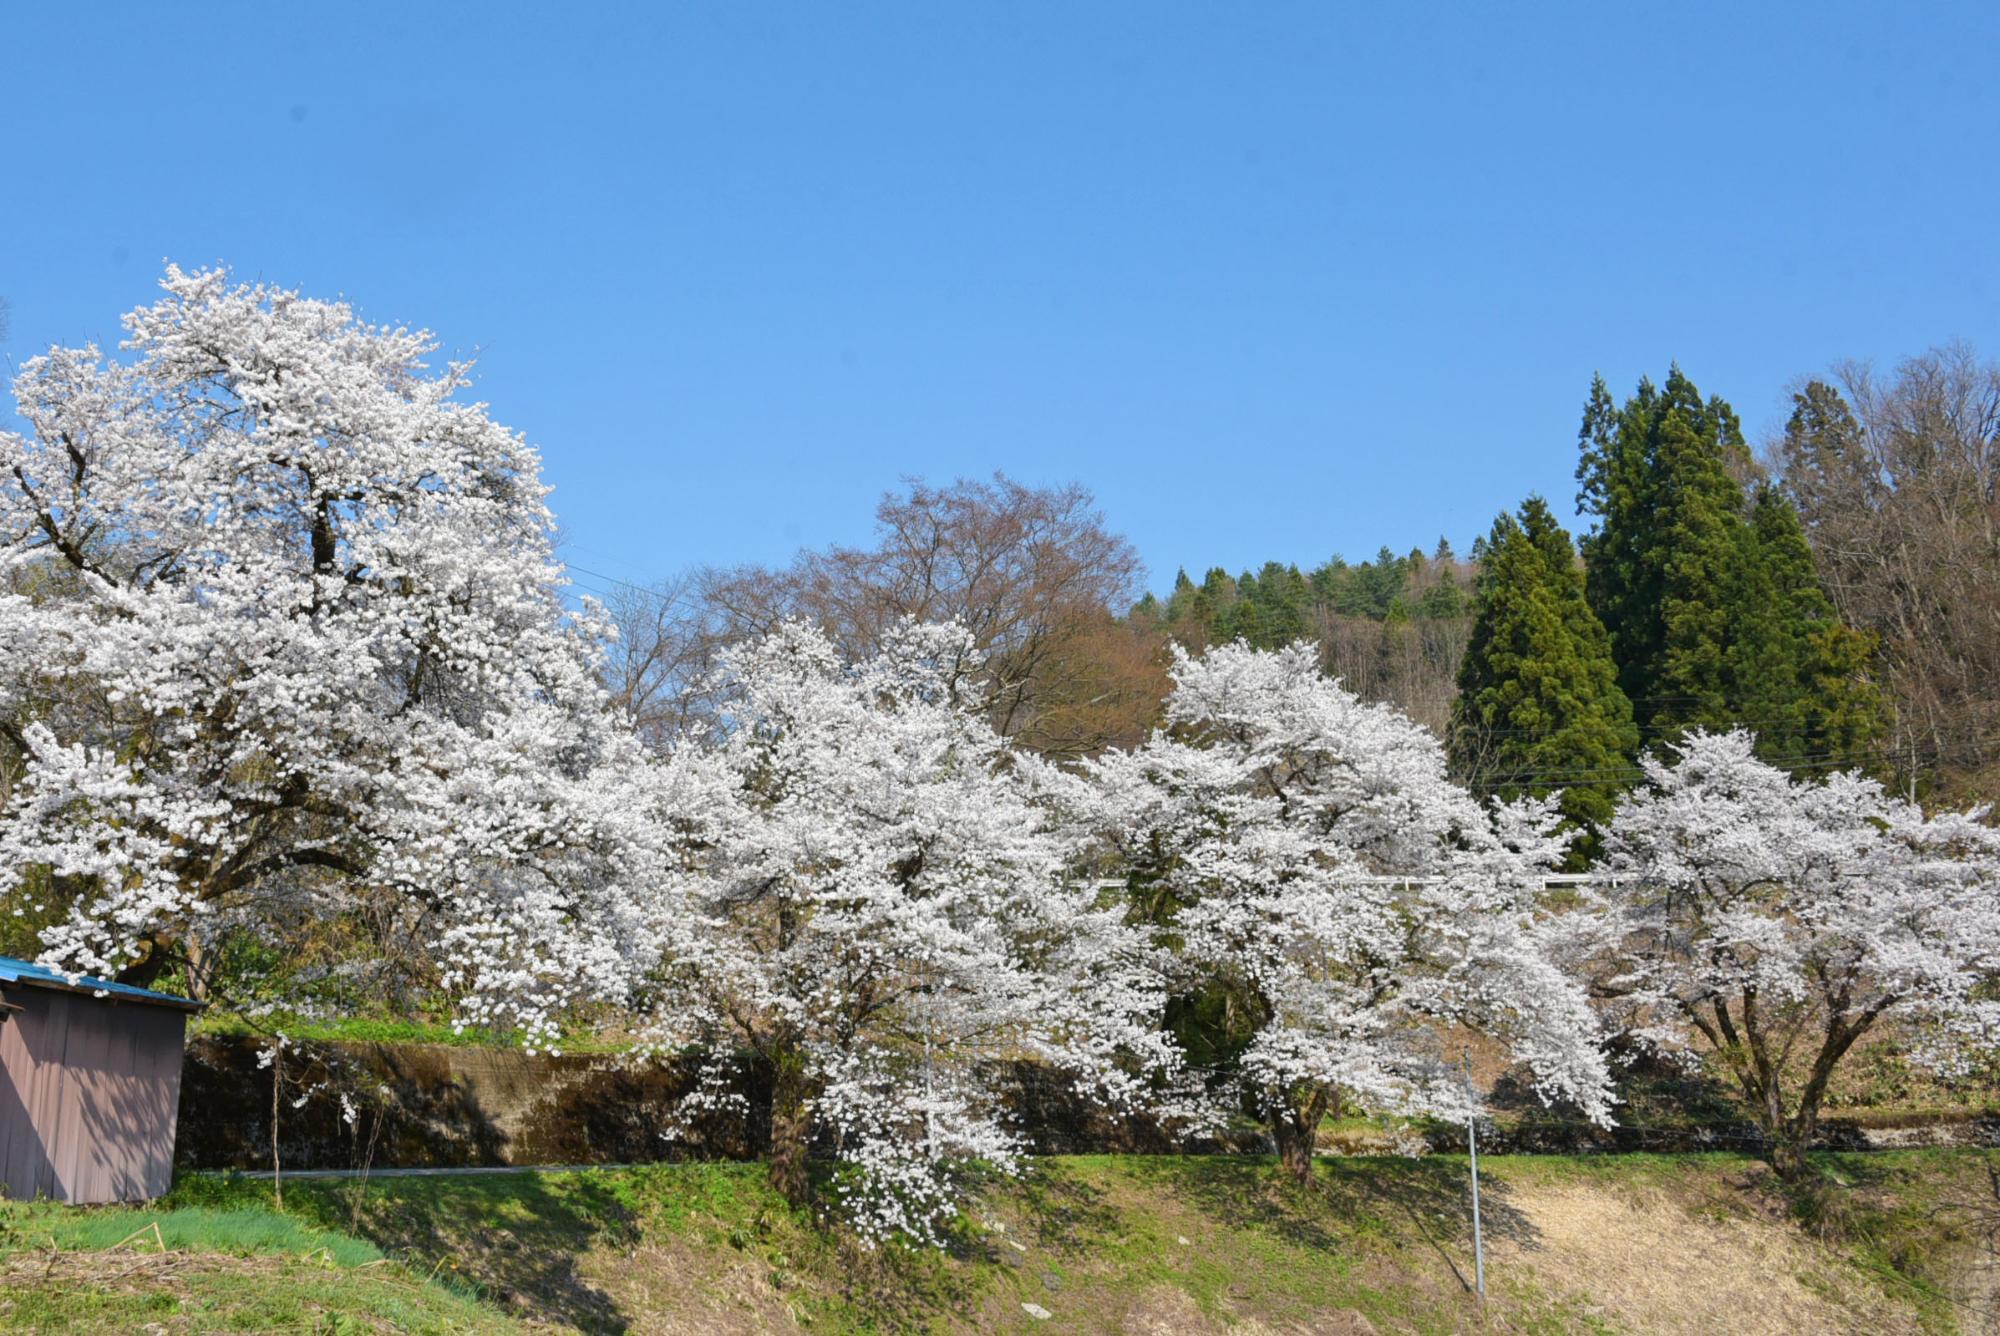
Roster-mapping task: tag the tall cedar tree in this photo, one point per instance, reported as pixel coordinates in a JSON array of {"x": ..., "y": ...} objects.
[
  {"x": 1539, "y": 707},
  {"x": 1839, "y": 710},
  {"x": 1715, "y": 612}
]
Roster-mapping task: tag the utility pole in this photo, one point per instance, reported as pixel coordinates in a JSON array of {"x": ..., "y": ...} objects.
[{"x": 1472, "y": 1149}]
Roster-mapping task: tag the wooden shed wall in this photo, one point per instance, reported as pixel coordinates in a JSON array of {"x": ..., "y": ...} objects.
[{"x": 89, "y": 1090}]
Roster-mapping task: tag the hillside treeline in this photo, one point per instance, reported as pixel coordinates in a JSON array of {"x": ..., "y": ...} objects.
[{"x": 1838, "y": 591}]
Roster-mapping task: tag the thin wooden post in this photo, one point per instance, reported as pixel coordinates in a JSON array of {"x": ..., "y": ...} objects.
[
  {"x": 277, "y": 1099},
  {"x": 1472, "y": 1150}
]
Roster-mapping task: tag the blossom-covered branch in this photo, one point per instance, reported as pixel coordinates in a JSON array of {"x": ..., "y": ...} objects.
[
  {"x": 281, "y": 620},
  {"x": 878, "y": 905},
  {"x": 1774, "y": 921},
  {"x": 1324, "y": 886}
]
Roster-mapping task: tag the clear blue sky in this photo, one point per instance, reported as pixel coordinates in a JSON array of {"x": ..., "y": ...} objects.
[{"x": 1273, "y": 280}]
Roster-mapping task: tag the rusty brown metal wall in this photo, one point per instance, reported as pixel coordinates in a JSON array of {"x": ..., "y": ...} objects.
[{"x": 89, "y": 1090}]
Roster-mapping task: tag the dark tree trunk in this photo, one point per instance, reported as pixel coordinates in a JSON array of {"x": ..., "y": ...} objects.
[
  {"x": 145, "y": 972},
  {"x": 1792, "y": 1136},
  {"x": 1295, "y": 1147},
  {"x": 1792, "y": 1132},
  {"x": 791, "y": 1128},
  {"x": 1295, "y": 1127},
  {"x": 1788, "y": 1155}
]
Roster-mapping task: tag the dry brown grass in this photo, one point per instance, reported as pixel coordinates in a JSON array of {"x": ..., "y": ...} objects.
[
  {"x": 1644, "y": 1262},
  {"x": 675, "y": 1288}
]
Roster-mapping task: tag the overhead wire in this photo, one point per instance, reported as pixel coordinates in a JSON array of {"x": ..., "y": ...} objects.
[
  {"x": 608, "y": 579},
  {"x": 1808, "y": 761}
]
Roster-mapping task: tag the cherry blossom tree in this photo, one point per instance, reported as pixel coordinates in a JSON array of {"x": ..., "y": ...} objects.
[
  {"x": 281, "y": 630},
  {"x": 878, "y": 906},
  {"x": 1320, "y": 879},
  {"x": 1772, "y": 922}
]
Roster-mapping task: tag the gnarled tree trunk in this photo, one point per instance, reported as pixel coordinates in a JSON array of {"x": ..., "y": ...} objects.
[
  {"x": 1295, "y": 1127},
  {"x": 1790, "y": 1125},
  {"x": 791, "y": 1126}
]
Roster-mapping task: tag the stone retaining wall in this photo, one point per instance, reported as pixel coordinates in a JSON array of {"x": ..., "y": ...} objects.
[
  {"x": 439, "y": 1106},
  {"x": 445, "y": 1106}
]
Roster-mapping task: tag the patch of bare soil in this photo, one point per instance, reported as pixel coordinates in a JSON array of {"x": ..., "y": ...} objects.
[
  {"x": 1646, "y": 1263},
  {"x": 1159, "y": 1311},
  {"x": 107, "y": 1267},
  {"x": 674, "y": 1290},
  {"x": 1165, "y": 1311},
  {"x": 127, "y": 1273},
  {"x": 1978, "y": 1292}
]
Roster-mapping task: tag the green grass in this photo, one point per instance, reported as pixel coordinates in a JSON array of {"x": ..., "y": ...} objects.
[
  {"x": 239, "y": 1231},
  {"x": 1898, "y": 1223},
  {"x": 1091, "y": 1226},
  {"x": 1104, "y": 1242},
  {"x": 243, "y": 1268},
  {"x": 367, "y": 1030},
  {"x": 285, "y": 1296}
]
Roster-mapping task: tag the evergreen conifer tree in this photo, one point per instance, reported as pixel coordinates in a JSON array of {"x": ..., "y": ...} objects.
[
  {"x": 1714, "y": 610},
  {"x": 1443, "y": 600},
  {"x": 1822, "y": 702},
  {"x": 1700, "y": 548},
  {"x": 1279, "y": 596},
  {"x": 1539, "y": 707}
]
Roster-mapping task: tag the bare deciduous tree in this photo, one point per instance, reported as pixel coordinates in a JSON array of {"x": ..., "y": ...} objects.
[
  {"x": 666, "y": 649},
  {"x": 1411, "y": 663},
  {"x": 1032, "y": 572},
  {"x": 1898, "y": 482}
]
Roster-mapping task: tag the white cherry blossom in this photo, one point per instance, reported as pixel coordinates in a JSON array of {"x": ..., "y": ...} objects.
[
  {"x": 878, "y": 905},
  {"x": 281, "y": 627},
  {"x": 1773, "y": 921},
  {"x": 1306, "y": 857}
]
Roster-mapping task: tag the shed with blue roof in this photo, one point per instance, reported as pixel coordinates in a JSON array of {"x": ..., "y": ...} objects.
[{"x": 90, "y": 1083}]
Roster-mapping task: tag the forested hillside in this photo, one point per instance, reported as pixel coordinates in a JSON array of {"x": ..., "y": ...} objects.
[
  {"x": 1393, "y": 628},
  {"x": 1713, "y": 585},
  {"x": 1897, "y": 478},
  {"x": 1832, "y": 592}
]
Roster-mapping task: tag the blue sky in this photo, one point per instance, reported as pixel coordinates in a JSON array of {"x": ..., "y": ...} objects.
[{"x": 1274, "y": 281}]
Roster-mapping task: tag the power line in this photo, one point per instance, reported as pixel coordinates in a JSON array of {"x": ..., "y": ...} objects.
[
  {"x": 608, "y": 579},
  {"x": 1795, "y": 761},
  {"x": 1656, "y": 727}
]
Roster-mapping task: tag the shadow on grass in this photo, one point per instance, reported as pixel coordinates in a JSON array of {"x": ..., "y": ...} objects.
[
  {"x": 808, "y": 1253},
  {"x": 1929, "y": 1229},
  {"x": 516, "y": 1237},
  {"x": 512, "y": 1239},
  {"x": 1351, "y": 1198},
  {"x": 902, "y": 1287},
  {"x": 1064, "y": 1213}
]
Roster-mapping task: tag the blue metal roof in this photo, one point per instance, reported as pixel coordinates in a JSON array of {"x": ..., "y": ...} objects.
[{"x": 27, "y": 972}]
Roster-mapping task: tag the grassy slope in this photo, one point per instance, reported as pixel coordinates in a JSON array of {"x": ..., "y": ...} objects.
[
  {"x": 1103, "y": 1243},
  {"x": 245, "y": 1269},
  {"x": 381, "y": 1030}
]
